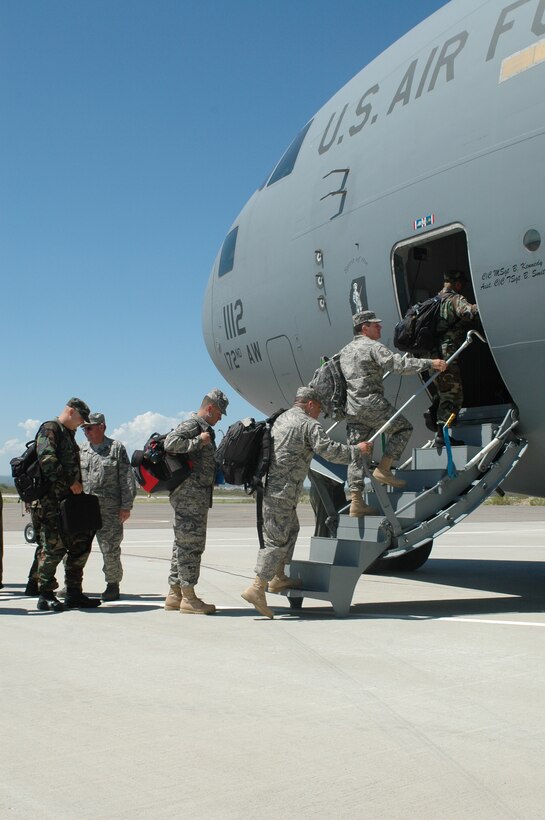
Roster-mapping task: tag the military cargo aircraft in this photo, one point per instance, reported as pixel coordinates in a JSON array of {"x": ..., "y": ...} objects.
[{"x": 431, "y": 158}]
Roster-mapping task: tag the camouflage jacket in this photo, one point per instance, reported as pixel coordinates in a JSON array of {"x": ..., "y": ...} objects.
[
  {"x": 364, "y": 362},
  {"x": 58, "y": 455},
  {"x": 107, "y": 472},
  {"x": 454, "y": 322},
  {"x": 295, "y": 437},
  {"x": 185, "y": 438}
]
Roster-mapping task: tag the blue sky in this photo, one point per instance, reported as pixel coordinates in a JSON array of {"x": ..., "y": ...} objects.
[{"x": 132, "y": 134}]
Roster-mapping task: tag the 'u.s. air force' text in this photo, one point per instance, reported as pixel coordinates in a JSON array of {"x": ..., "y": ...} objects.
[{"x": 427, "y": 72}]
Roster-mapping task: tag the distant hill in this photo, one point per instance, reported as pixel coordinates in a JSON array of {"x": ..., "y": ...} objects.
[{"x": 7, "y": 480}]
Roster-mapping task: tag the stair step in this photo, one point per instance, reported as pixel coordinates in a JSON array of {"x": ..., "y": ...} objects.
[
  {"x": 347, "y": 553},
  {"x": 317, "y": 576},
  {"x": 419, "y": 480},
  {"x": 430, "y": 459},
  {"x": 367, "y": 528},
  {"x": 421, "y": 508}
]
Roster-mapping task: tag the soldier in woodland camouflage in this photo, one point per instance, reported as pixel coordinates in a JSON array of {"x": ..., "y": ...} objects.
[
  {"x": 107, "y": 473},
  {"x": 58, "y": 455},
  {"x": 191, "y": 501},
  {"x": 296, "y": 435},
  {"x": 456, "y": 317},
  {"x": 364, "y": 361}
]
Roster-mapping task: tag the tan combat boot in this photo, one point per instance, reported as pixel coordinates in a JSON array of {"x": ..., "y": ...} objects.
[
  {"x": 358, "y": 507},
  {"x": 281, "y": 581},
  {"x": 191, "y": 605},
  {"x": 255, "y": 595},
  {"x": 174, "y": 597},
  {"x": 384, "y": 474}
]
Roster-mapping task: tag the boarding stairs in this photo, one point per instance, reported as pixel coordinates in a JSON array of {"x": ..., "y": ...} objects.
[{"x": 442, "y": 488}]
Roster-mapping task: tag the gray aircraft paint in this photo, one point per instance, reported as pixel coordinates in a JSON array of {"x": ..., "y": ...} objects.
[{"x": 445, "y": 128}]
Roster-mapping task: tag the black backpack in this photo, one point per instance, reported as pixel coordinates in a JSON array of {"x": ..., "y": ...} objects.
[
  {"x": 244, "y": 452},
  {"x": 417, "y": 331},
  {"x": 330, "y": 384},
  {"x": 30, "y": 482},
  {"x": 244, "y": 457},
  {"x": 157, "y": 471}
]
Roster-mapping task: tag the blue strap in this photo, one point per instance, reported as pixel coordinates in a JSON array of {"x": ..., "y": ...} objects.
[{"x": 451, "y": 469}]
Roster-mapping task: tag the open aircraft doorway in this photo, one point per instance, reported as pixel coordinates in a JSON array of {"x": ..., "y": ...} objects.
[{"x": 418, "y": 265}]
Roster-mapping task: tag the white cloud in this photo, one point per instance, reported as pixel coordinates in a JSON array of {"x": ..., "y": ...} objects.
[
  {"x": 135, "y": 433},
  {"x": 29, "y": 426},
  {"x": 12, "y": 447}
]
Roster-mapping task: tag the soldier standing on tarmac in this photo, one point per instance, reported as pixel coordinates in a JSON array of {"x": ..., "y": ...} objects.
[
  {"x": 58, "y": 456},
  {"x": 191, "y": 501},
  {"x": 107, "y": 473},
  {"x": 296, "y": 435},
  {"x": 456, "y": 314},
  {"x": 364, "y": 361}
]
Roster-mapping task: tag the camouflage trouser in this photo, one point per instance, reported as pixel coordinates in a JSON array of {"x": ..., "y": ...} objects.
[
  {"x": 36, "y": 518},
  {"x": 449, "y": 391},
  {"x": 190, "y": 516},
  {"x": 55, "y": 545},
  {"x": 373, "y": 414},
  {"x": 109, "y": 540},
  {"x": 280, "y": 531}
]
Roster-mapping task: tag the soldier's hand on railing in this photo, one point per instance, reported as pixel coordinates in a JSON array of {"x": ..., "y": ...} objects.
[
  {"x": 365, "y": 448},
  {"x": 439, "y": 364}
]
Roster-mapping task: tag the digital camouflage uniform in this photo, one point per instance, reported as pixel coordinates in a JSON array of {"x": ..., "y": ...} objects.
[
  {"x": 107, "y": 473},
  {"x": 58, "y": 455},
  {"x": 295, "y": 437},
  {"x": 191, "y": 500},
  {"x": 364, "y": 362},
  {"x": 456, "y": 314}
]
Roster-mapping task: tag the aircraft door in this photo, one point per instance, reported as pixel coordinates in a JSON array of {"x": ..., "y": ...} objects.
[
  {"x": 284, "y": 367},
  {"x": 418, "y": 265}
]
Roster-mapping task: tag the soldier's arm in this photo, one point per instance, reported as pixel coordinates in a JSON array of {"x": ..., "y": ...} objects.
[
  {"x": 406, "y": 365},
  {"x": 463, "y": 310},
  {"x": 186, "y": 438},
  {"x": 322, "y": 445},
  {"x": 46, "y": 450}
]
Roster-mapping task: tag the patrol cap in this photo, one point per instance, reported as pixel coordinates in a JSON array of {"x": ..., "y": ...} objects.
[
  {"x": 363, "y": 317},
  {"x": 308, "y": 394},
  {"x": 80, "y": 406},
  {"x": 95, "y": 418},
  {"x": 219, "y": 399},
  {"x": 454, "y": 276}
]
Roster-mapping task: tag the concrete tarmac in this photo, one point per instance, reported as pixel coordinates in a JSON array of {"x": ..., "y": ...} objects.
[{"x": 426, "y": 702}]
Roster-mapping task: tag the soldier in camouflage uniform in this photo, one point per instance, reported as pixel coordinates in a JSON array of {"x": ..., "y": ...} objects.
[
  {"x": 364, "y": 361},
  {"x": 58, "y": 455},
  {"x": 455, "y": 320},
  {"x": 296, "y": 435},
  {"x": 107, "y": 473},
  {"x": 191, "y": 501}
]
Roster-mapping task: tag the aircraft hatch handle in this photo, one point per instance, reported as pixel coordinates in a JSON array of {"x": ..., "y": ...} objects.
[{"x": 467, "y": 342}]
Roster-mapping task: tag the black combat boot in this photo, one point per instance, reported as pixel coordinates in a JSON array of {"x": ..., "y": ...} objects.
[
  {"x": 49, "y": 601},
  {"x": 32, "y": 588},
  {"x": 75, "y": 599},
  {"x": 111, "y": 593}
]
